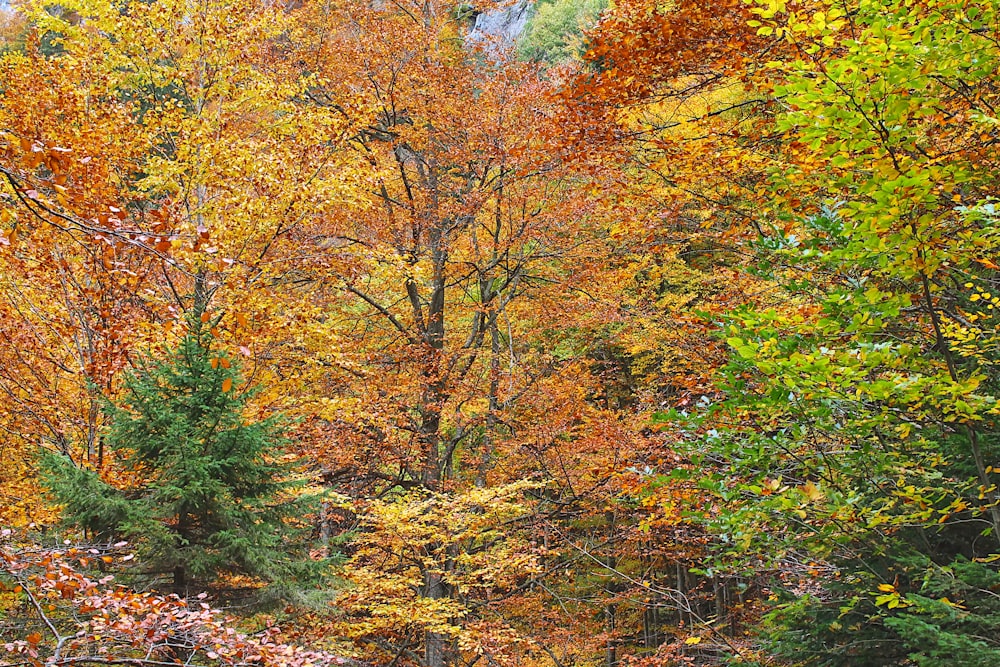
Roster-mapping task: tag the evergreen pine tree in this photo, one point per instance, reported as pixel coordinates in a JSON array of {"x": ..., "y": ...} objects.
[{"x": 211, "y": 495}]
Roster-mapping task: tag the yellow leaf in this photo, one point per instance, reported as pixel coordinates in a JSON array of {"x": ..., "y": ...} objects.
[
  {"x": 886, "y": 588},
  {"x": 693, "y": 640},
  {"x": 811, "y": 492}
]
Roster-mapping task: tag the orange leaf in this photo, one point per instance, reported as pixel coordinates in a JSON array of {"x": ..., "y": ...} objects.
[{"x": 227, "y": 384}]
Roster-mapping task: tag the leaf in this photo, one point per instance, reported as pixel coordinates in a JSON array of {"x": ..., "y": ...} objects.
[
  {"x": 811, "y": 492},
  {"x": 227, "y": 384}
]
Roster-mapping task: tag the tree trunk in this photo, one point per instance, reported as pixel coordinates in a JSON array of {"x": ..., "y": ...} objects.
[
  {"x": 486, "y": 453},
  {"x": 435, "y": 643},
  {"x": 611, "y": 650},
  {"x": 180, "y": 581}
]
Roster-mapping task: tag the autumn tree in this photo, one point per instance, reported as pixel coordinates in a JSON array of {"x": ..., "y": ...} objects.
[
  {"x": 438, "y": 306},
  {"x": 399, "y": 239},
  {"x": 463, "y": 219},
  {"x": 860, "y": 400},
  {"x": 133, "y": 182},
  {"x": 71, "y": 305}
]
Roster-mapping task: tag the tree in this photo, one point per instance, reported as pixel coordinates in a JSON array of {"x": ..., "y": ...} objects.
[
  {"x": 201, "y": 490},
  {"x": 148, "y": 165},
  {"x": 439, "y": 301},
  {"x": 555, "y": 31},
  {"x": 851, "y": 164},
  {"x": 863, "y": 480}
]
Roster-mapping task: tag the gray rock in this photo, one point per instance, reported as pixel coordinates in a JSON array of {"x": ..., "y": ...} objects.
[{"x": 501, "y": 27}]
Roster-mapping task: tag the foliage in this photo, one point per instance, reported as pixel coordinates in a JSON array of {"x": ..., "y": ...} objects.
[
  {"x": 416, "y": 547},
  {"x": 555, "y": 31},
  {"x": 931, "y": 614},
  {"x": 687, "y": 355},
  {"x": 61, "y": 616},
  {"x": 869, "y": 430},
  {"x": 199, "y": 489}
]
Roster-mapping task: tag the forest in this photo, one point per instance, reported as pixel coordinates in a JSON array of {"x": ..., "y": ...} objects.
[{"x": 628, "y": 333}]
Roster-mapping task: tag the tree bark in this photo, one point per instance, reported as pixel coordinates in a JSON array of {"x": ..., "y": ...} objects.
[{"x": 435, "y": 643}]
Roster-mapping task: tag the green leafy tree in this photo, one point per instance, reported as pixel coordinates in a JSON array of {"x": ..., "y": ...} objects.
[
  {"x": 209, "y": 493},
  {"x": 555, "y": 32},
  {"x": 859, "y": 465}
]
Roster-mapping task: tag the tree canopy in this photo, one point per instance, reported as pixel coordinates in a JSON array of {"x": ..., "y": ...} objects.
[{"x": 662, "y": 335}]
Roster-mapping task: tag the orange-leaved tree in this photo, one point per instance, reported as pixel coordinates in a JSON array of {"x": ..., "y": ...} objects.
[
  {"x": 447, "y": 316},
  {"x": 149, "y": 175}
]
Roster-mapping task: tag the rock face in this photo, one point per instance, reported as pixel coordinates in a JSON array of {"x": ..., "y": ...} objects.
[{"x": 501, "y": 27}]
